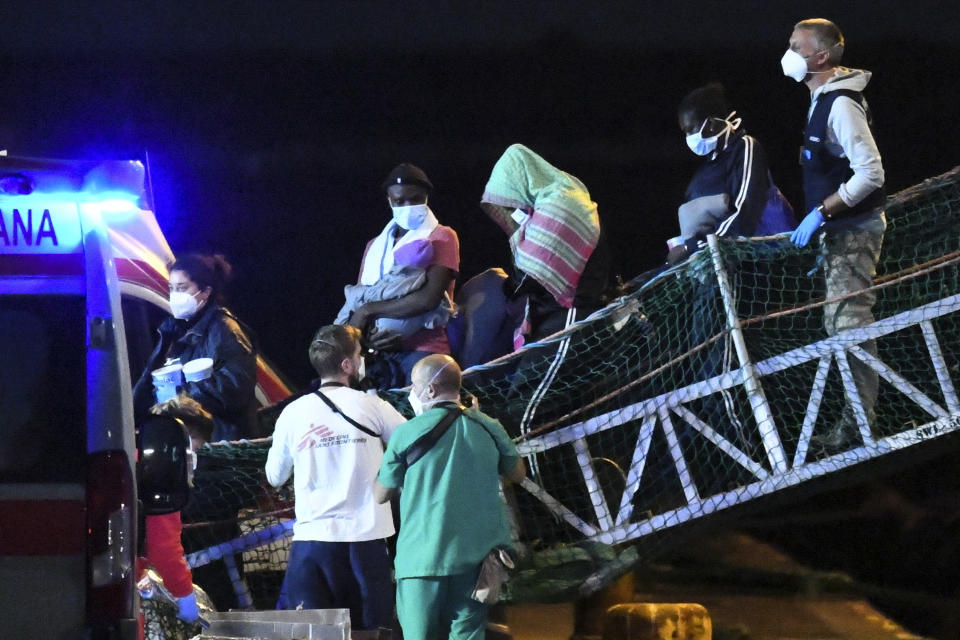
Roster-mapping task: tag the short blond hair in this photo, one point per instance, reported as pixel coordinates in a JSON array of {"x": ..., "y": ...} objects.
[{"x": 827, "y": 35}]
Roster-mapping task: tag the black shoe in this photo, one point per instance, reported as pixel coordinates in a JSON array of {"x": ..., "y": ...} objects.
[
  {"x": 844, "y": 434},
  {"x": 840, "y": 436}
]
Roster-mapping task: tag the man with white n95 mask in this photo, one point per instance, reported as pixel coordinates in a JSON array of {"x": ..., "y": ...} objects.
[
  {"x": 843, "y": 183},
  {"x": 446, "y": 464}
]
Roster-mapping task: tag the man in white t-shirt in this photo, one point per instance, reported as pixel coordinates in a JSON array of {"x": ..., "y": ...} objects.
[{"x": 332, "y": 439}]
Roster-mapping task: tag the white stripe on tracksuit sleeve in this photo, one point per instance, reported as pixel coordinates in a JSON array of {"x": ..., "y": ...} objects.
[{"x": 750, "y": 195}]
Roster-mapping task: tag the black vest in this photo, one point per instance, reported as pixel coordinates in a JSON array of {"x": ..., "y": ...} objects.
[{"x": 823, "y": 172}]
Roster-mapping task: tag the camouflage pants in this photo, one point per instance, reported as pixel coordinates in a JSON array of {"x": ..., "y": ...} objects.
[{"x": 850, "y": 262}]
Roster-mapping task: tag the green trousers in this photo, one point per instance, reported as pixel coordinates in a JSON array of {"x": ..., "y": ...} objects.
[{"x": 435, "y": 607}]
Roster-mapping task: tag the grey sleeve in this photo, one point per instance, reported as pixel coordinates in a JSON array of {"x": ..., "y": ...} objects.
[{"x": 703, "y": 215}]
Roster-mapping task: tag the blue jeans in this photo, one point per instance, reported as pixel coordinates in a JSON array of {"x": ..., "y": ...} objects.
[{"x": 342, "y": 575}]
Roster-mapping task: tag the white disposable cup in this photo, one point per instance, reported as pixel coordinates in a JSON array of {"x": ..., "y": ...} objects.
[
  {"x": 197, "y": 370},
  {"x": 165, "y": 381}
]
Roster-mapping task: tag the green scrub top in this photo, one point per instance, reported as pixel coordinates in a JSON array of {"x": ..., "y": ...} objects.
[{"x": 451, "y": 513}]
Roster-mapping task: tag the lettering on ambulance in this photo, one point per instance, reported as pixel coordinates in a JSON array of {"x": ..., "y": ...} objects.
[{"x": 21, "y": 233}]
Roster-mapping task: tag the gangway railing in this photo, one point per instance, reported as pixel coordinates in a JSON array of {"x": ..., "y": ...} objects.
[{"x": 619, "y": 521}]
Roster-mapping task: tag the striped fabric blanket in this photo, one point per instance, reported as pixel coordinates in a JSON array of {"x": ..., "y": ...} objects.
[{"x": 557, "y": 226}]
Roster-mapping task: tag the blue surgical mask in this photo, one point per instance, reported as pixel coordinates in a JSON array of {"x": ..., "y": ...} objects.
[
  {"x": 700, "y": 145},
  {"x": 411, "y": 216},
  {"x": 703, "y": 146}
]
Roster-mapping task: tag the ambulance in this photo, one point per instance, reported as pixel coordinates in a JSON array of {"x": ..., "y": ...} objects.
[{"x": 83, "y": 285}]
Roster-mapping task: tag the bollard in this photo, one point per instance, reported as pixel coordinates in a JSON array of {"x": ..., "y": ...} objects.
[
  {"x": 589, "y": 613},
  {"x": 656, "y": 621}
]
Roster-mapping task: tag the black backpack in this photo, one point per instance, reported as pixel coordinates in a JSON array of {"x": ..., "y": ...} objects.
[{"x": 162, "y": 465}]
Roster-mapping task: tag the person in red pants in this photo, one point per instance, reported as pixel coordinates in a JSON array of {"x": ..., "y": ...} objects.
[
  {"x": 165, "y": 554},
  {"x": 164, "y": 481}
]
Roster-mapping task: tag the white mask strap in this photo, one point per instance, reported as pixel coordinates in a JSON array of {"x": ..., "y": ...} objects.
[
  {"x": 445, "y": 365},
  {"x": 733, "y": 122},
  {"x": 427, "y": 386}
]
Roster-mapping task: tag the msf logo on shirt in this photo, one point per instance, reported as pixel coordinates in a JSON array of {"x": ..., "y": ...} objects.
[{"x": 318, "y": 436}]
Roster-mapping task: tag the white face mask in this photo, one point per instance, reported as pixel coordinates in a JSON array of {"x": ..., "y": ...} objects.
[
  {"x": 415, "y": 401},
  {"x": 359, "y": 375},
  {"x": 702, "y": 146},
  {"x": 410, "y": 217},
  {"x": 183, "y": 305},
  {"x": 794, "y": 65}
]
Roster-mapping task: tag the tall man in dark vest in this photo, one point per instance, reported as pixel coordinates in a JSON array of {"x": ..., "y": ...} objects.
[{"x": 843, "y": 188}]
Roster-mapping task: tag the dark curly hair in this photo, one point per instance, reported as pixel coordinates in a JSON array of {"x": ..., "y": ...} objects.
[
  {"x": 708, "y": 101},
  {"x": 206, "y": 271}
]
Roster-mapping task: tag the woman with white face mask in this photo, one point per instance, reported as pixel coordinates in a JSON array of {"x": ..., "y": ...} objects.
[
  {"x": 200, "y": 327},
  {"x": 732, "y": 193}
]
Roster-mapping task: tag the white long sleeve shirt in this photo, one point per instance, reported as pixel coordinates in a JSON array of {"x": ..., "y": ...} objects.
[
  {"x": 849, "y": 135},
  {"x": 334, "y": 465}
]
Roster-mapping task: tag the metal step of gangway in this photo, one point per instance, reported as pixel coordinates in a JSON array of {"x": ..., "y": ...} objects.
[{"x": 301, "y": 624}]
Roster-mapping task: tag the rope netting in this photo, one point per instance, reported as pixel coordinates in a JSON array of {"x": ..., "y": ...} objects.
[{"x": 719, "y": 381}]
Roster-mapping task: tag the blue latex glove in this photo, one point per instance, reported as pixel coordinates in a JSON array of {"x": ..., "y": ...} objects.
[
  {"x": 805, "y": 230},
  {"x": 188, "y": 610}
]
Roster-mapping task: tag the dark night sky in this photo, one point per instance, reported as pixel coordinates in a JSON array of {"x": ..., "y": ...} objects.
[
  {"x": 270, "y": 125},
  {"x": 360, "y": 25}
]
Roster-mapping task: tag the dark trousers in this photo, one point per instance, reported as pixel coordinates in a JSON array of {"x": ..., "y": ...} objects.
[
  {"x": 348, "y": 575},
  {"x": 391, "y": 370}
]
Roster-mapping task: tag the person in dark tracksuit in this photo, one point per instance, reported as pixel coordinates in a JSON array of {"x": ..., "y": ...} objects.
[{"x": 731, "y": 194}]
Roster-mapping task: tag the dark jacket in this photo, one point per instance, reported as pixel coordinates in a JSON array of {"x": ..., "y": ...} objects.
[
  {"x": 823, "y": 172},
  {"x": 228, "y": 394},
  {"x": 732, "y": 194}
]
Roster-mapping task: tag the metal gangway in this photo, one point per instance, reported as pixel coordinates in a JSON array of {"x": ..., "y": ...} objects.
[
  {"x": 773, "y": 468},
  {"x": 643, "y": 456}
]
